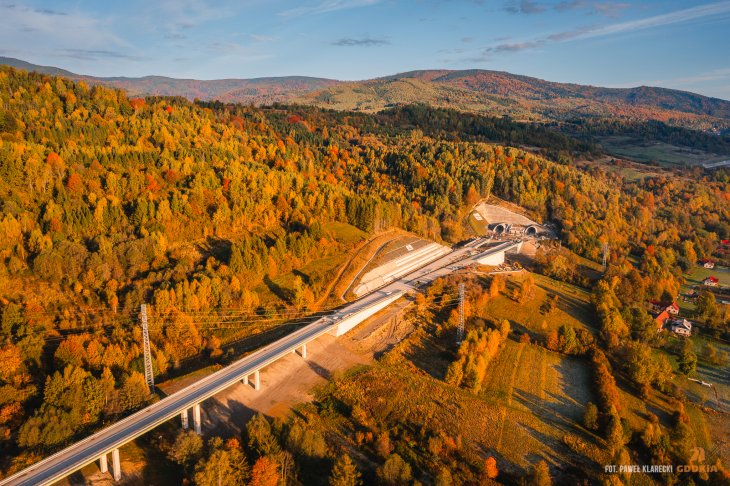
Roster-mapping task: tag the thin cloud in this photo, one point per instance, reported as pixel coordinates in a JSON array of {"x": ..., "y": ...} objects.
[
  {"x": 568, "y": 34},
  {"x": 571, "y": 5},
  {"x": 679, "y": 16},
  {"x": 714, "y": 75},
  {"x": 364, "y": 42},
  {"x": 48, "y": 11},
  {"x": 712, "y": 10},
  {"x": 94, "y": 54},
  {"x": 179, "y": 17},
  {"x": 56, "y": 28},
  {"x": 326, "y": 6},
  {"x": 41, "y": 11},
  {"x": 263, "y": 38},
  {"x": 238, "y": 51},
  {"x": 517, "y": 46},
  {"x": 609, "y": 9},
  {"x": 457, "y": 50},
  {"x": 524, "y": 7}
]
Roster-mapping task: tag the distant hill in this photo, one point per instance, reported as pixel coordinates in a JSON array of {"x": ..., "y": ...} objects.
[
  {"x": 478, "y": 91},
  {"x": 19, "y": 64},
  {"x": 524, "y": 97},
  {"x": 257, "y": 91}
]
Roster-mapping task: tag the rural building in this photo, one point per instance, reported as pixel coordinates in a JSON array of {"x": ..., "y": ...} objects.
[
  {"x": 707, "y": 263},
  {"x": 681, "y": 327},
  {"x": 660, "y": 319},
  {"x": 690, "y": 297},
  {"x": 710, "y": 281},
  {"x": 657, "y": 307}
]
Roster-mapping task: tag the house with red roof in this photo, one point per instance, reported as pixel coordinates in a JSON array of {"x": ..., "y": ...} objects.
[
  {"x": 657, "y": 307},
  {"x": 711, "y": 281},
  {"x": 661, "y": 319}
]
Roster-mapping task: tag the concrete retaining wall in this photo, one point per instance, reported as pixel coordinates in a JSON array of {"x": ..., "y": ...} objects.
[
  {"x": 394, "y": 269},
  {"x": 347, "y": 323},
  {"x": 494, "y": 259}
]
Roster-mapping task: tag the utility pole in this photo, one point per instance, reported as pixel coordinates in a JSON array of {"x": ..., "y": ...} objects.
[
  {"x": 605, "y": 255},
  {"x": 460, "y": 330},
  {"x": 148, "y": 374}
]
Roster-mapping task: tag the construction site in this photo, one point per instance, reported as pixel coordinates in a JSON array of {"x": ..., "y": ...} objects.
[{"x": 497, "y": 219}]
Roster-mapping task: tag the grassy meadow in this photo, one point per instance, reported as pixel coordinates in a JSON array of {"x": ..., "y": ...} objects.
[{"x": 656, "y": 152}]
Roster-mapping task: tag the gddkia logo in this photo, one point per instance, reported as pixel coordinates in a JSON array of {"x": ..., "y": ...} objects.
[
  {"x": 697, "y": 462},
  {"x": 698, "y": 455}
]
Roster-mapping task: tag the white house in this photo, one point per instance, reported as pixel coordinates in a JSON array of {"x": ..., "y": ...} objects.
[{"x": 681, "y": 326}]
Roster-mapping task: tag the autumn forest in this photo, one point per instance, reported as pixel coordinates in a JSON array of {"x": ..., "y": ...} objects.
[{"x": 219, "y": 216}]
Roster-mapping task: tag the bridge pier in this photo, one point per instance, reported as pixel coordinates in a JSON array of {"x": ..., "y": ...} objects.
[
  {"x": 303, "y": 351},
  {"x": 196, "y": 418},
  {"x": 184, "y": 419},
  {"x": 247, "y": 380},
  {"x": 116, "y": 466},
  {"x": 103, "y": 465}
]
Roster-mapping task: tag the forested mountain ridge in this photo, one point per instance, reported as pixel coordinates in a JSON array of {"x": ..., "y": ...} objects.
[
  {"x": 499, "y": 93},
  {"x": 493, "y": 93},
  {"x": 257, "y": 90},
  {"x": 108, "y": 202}
]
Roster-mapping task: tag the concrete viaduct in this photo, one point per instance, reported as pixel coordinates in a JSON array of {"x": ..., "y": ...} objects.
[{"x": 107, "y": 441}]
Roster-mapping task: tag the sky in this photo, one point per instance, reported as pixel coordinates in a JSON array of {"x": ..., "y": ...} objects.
[{"x": 616, "y": 43}]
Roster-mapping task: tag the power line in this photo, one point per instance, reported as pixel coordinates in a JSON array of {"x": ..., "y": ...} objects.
[
  {"x": 148, "y": 373},
  {"x": 213, "y": 321},
  {"x": 460, "y": 330}
]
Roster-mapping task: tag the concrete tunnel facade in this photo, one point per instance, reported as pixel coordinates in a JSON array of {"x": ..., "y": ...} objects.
[{"x": 500, "y": 228}]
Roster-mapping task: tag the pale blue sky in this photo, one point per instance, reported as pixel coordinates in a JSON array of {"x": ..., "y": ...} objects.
[{"x": 670, "y": 43}]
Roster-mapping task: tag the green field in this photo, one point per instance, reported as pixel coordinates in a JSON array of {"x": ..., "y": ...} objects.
[
  {"x": 698, "y": 274},
  {"x": 628, "y": 170},
  {"x": 656, "y": 152},
  {"x": 344, "y": 233},
  {"x": 717, "y": 375},
  {"x": 695, "y": 277},
  {"x": 541, "y": 396},
  {"x": 574, "y": 307}
]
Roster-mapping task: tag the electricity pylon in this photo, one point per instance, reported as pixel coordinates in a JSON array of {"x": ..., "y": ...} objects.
[{"x": 149, "y": 375}]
